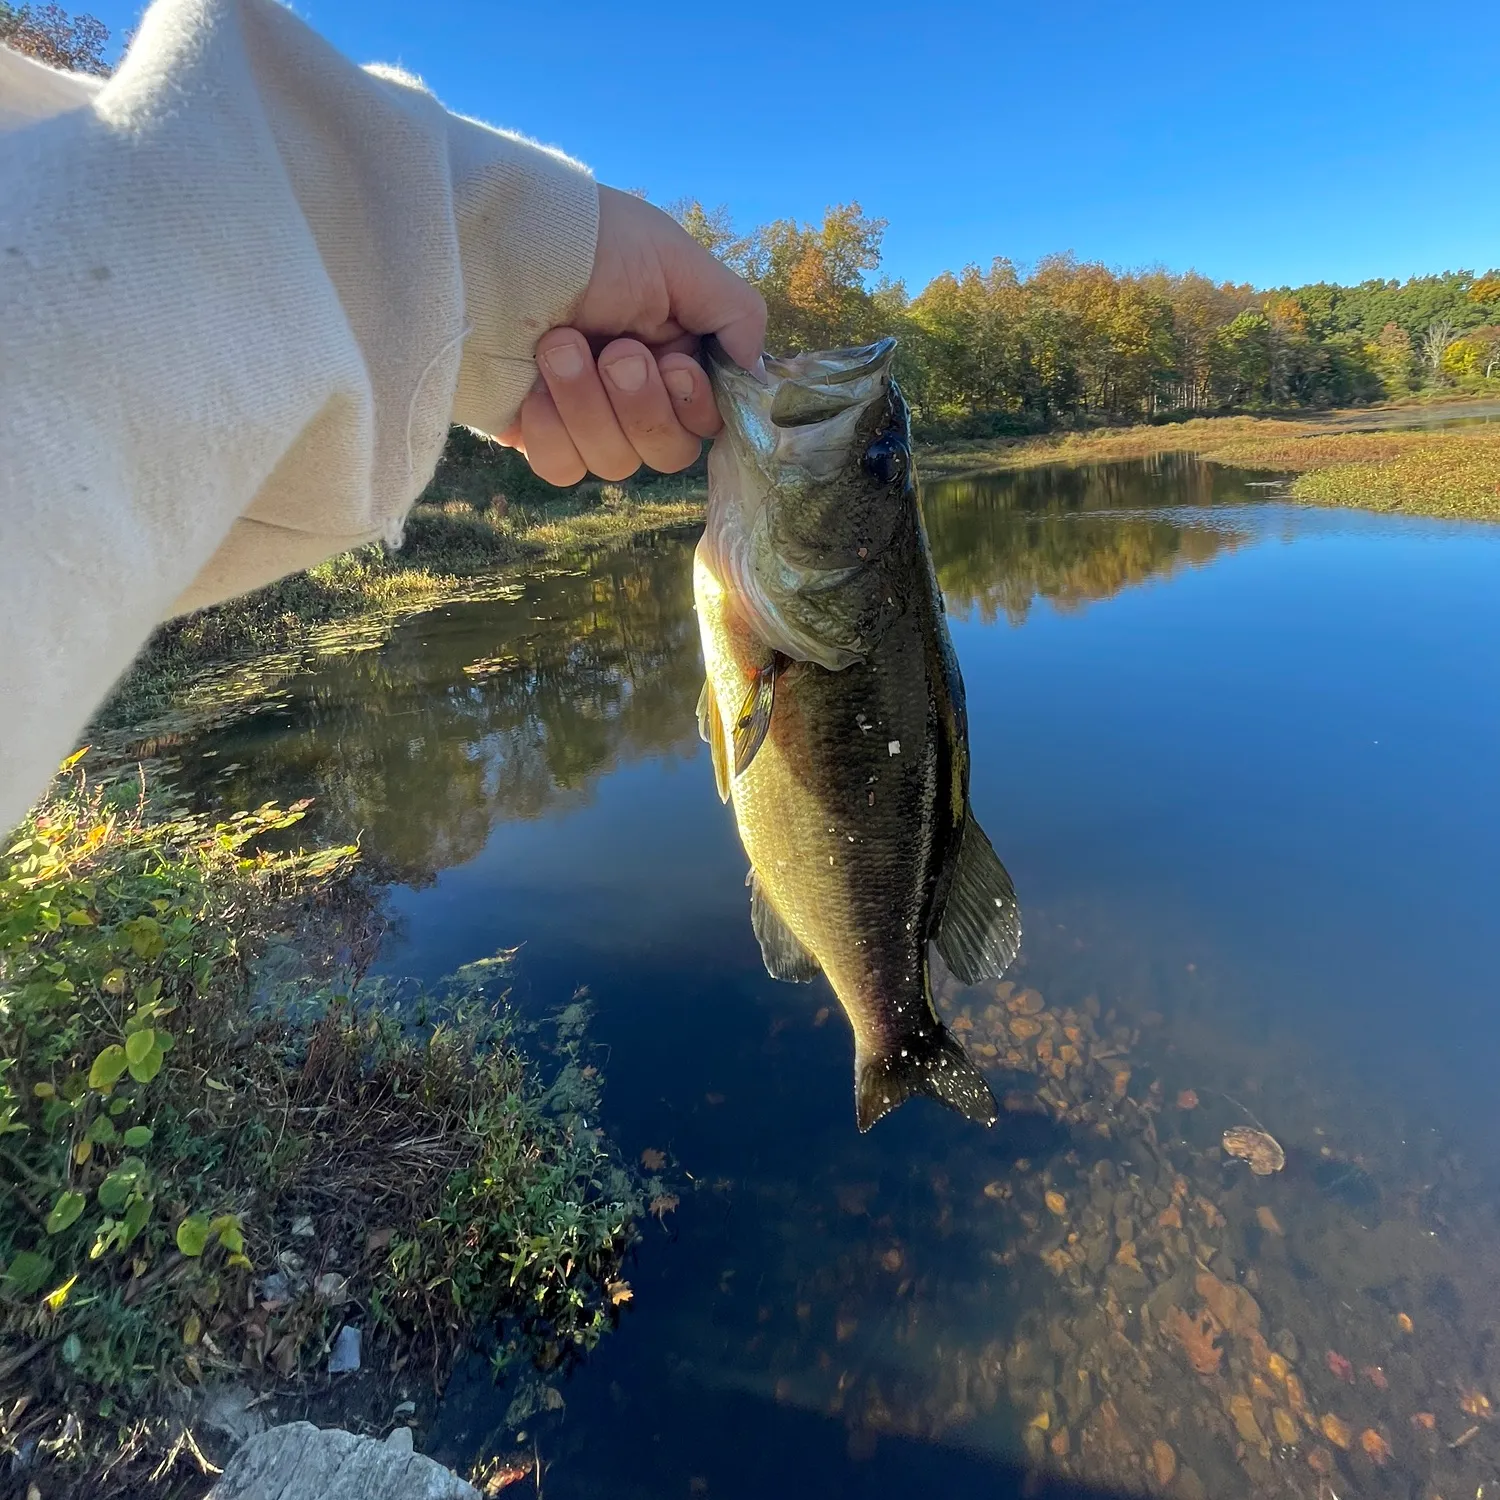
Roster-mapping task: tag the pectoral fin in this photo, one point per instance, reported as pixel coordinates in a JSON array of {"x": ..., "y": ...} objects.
[
  {"x": 782, "y": 950},
  {"x": 711, "y": 732},
  {"x": 754, "y": 718},
  {"x": 980, "y": 929}
]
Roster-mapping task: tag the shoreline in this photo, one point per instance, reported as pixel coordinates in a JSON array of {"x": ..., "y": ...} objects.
[{"x": 467, "y": 537}]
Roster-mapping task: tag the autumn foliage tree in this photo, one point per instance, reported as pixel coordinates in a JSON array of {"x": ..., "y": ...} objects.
[
  {"x": 49, "y": 34},
  {"x": 995, "y": 348}
]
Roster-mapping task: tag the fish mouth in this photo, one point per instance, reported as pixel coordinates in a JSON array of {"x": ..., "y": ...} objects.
[{"x": 800, "y": 389}]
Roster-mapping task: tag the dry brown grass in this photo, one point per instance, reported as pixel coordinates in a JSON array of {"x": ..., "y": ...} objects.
[{"x": 1451, "y": 472}]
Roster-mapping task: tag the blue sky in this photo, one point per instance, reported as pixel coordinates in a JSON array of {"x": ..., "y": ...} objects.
[{"x": 1271, "y": 143}]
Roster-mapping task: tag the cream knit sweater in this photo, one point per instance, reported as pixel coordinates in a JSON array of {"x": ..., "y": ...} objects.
[{"x": 244, "y": 288}]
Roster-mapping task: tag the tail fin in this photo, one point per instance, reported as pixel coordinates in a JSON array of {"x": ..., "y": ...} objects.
[{"x": 931, "y": 1062}]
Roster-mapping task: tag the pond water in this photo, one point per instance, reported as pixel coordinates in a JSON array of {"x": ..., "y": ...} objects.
[{"x": 1239, "y": 757}]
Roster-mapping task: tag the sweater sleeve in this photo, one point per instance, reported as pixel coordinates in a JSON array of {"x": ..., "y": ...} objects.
[{"x": 244, "y": 288}]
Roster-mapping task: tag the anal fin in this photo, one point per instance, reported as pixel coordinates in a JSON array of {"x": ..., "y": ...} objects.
[
  {"x": 980, "y": 929},
  {"x": 785, "y": 957},
  {"x": 930, "y": 1062}
]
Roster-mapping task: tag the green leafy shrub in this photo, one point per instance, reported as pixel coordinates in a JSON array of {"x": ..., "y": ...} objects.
[{"x": 184, "y": 1166}]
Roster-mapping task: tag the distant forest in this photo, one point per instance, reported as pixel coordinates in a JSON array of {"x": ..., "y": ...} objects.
[
  {"x": 991, "y": 349},
  {"x": 995, "y": 349}
]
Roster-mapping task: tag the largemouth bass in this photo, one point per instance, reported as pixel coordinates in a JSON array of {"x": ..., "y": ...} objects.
[{"x": 834, "y": 712}]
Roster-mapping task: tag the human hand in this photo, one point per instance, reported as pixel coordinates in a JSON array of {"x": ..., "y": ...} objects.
[{"x": 607, "y": 404}]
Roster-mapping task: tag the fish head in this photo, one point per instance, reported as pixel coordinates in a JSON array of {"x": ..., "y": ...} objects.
[{"x": 810, "y": 485}]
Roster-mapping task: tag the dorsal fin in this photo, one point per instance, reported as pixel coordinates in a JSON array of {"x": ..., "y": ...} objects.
[{"x": 980, "y": 928}]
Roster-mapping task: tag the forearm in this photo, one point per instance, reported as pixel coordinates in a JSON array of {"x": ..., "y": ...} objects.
[{"x": 244, "y": 288}]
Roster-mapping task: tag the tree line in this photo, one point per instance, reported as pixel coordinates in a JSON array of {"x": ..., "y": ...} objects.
[{"x": 996, "y": 348}]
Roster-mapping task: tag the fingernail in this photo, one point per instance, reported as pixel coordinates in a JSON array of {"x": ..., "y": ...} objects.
[
  {"x": 628, "y": 374},
  {"x": 565, "y": 361},
  {"x": 681, "y": 383}
]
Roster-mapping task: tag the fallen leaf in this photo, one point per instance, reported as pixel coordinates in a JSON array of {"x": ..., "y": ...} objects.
[
  {"x": 1336, "y": 1430},
  {"x": 1055, "y": 1202},
  {"x": 1261, "y": 1150},
  {"x": 1232, "y": 1306},
  {"x": 377, "y": 1240},
  {"x": 1125, "y": 1256},
  {"x": 1211, "y": 1215},
  {"x": 1057, "y": 1261},
  {"x": 1242, "y": 1411},
  {"x": 1474, "y": 1403},
  {"x": 1296, "y": 1399},
  {"x": 1285, "y": 1425},
  {"x": 1023, "y": 1028},
  {"x": 1058, "y": 1443},
  {"x": 652, "y": 1159},
  {"x": 1403, "y": 1322},
  {"x": 1169, "y": 1218},
  {"x": 1121, "y": 1082},
  {"x": 1187, "y": 1099},
  {"x": 1375, "y": 1447},
  {"x": 663, "y": 1204},
  {"x": 1041, "y": 1421},
  {"x": 505, "y": 1476},
  {"x": 997, "y": 1191},
  {"x": 1163, "y": 1462},
  {"x": 619, "y": 1292},
  {"x": 1198, "y": 1338},
  {"x": 1267, "y": 1221},
  {"x": 892, "y": 1260},
  {"x": 1424, "y": 1420},
  {"x": 1320, "y": 1461},
  {"x": 1339, "y": 1366},
  {"x": 1276, "y": 1367},
  {"x": 1376, "y": 1376}
]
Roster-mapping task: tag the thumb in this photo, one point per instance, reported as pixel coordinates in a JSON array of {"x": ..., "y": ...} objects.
[{"x": 707, "y": 297}]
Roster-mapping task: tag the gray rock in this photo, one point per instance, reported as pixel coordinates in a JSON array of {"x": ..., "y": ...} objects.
[
  {"x": 226, "y": 1409},
  {"x": 345, "y": 1355},
  {"x": 300, "y": 1462}
]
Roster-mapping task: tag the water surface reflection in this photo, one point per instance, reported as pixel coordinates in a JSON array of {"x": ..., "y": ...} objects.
[{"x": 1239, "y": 758}]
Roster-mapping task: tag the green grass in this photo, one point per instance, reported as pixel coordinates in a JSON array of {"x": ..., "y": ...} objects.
[{"x": 167, "y": 1141}]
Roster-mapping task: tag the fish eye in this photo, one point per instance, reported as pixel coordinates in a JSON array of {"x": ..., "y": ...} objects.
[{"x": 885, "y": 460}]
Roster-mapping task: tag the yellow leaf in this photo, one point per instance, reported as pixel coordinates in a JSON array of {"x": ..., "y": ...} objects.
[
  {"x": 82, "y": 1151},
  {"x": 56, "y": 1298},
  {"x": 192, "y": 1329},
  {"x": 619, "y": 1291}
]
